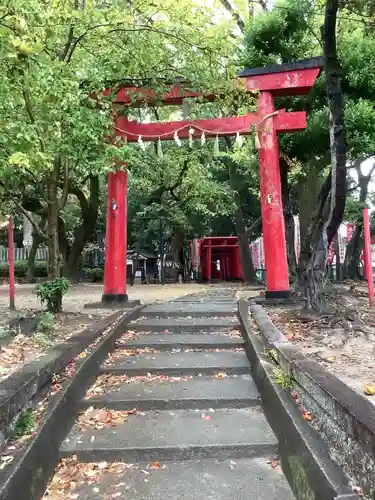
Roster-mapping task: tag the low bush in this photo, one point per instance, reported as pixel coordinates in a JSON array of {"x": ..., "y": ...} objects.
[
  {"x": 96, "y": 275},
  {"x": 20, "y": 269},
  {"x": 51, "y": 293},
  {"x": 41, "y": 269}
]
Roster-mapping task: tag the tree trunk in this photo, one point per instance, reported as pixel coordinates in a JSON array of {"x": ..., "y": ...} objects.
[
  {"x": 248, "y": 270},
  {"x": 355, "y": 245},
  {"x": 330, "y": 211},
  {"x": 136, "y": 262},
  {"x": 84, "y": 232},
  {"x": 353, "y": 253},
  {"x": 72, "y": 268},
  {"x": 308, "y": 191},
  {"x": 53, "y": 234},
  {"x": 288, "y": 218},
  {"x": 31, "y": 257},
  {"x": 243, "y": 243},
  {"x": 337, "y": 255},
  {"x": 55, "y": 303}
]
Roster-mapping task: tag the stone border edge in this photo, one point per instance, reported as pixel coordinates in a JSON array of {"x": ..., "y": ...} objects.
[
  {"x": 305, "y": 458},
  {"x": 345, "y": 418},
  {"x": 33, "y": 466}
]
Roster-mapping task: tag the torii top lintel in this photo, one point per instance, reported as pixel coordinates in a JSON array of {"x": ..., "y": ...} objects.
[
  {"x": 286, "y": 79},
  {"x": 279, "y": 80}
]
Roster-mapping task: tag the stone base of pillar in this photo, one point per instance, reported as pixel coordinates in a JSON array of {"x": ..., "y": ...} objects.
[
  {"x": 109, "y": 298},
  {"x": 283, "y": 294},
  {"x": 113, "y": 301}
]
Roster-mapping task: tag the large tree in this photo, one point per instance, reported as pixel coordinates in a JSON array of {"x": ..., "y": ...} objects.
[
  {"x": 317, "y": 167},
  {"x": 54, "y": 60}
]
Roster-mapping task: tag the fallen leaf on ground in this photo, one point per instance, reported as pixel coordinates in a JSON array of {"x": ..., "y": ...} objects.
[
  {"x": 220, "y": 375},
  {"x": 369, "y": 390},
  {"x": 307, "y": 415},
  {"x": 358, "y": 490},
  {"x": 155, "y": 465}
]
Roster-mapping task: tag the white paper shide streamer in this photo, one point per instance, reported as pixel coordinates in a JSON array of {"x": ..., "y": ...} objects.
[
  {"x": 177, "y": 139},
  {"x": 191, "y": 133},
  {"x": 141, "y": 143}
]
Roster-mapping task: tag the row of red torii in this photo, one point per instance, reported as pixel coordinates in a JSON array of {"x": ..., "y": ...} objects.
[{"x": 274, "y": 81}]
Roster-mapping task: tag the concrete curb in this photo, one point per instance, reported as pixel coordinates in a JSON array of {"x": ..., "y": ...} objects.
[
  {"x": 305, "y": 458},
  {"x": 33, "y": 465}
]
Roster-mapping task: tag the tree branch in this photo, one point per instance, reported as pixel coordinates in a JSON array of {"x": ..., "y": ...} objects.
[
  {"x": 32, "y": 220},
  {"x": 254, "y": 227},
  {"x": 65, "y": 193},
  {"x": 30, "y": 112},
  {"x": 79, "y": 194},
  {"x": 229, "y": 8},
  {"x": 66, "y": 48}
]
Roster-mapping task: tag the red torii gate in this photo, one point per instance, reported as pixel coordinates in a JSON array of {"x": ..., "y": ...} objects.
[{"x": 273, "y": 81}]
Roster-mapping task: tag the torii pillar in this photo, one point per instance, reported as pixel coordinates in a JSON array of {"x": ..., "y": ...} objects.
[
  {"x": 275, "y": 255},
  {"x": 116, "y": 239},
  {"x": 276, "y": 81}
]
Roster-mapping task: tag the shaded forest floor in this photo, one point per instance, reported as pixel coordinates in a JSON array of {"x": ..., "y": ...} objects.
[{"x": 343, "y": 342}]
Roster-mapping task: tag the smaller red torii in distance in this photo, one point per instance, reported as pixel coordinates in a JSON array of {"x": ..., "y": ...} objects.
[{"x": 273, "y": 81}]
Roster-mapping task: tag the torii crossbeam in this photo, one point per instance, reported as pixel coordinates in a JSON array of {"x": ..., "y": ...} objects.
[{"x": 273, "y": 81}]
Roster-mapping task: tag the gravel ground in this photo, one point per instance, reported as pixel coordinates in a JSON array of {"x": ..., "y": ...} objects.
[
  {"x": 347, "y": 355},
  {"x": 20, "y": 344},
  {"x": 83, "y": 293}
]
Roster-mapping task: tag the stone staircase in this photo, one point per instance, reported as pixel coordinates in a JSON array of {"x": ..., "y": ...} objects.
[{"x": 198, "y": 431}]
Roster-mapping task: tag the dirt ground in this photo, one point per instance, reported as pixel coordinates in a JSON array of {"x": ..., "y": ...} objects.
[
  {"x": 24, "y": 340},
  {"x": 341, "y": 348}
]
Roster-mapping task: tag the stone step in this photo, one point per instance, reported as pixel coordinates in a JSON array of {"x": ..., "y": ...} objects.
[
  {"x": 175, "y": 436},
  {"x": 188, "y": 341},
  {"x": 231, "y": 392},
  {"x": 205, "y": 300},
  {"x": 241, "y": 479},
  {"x": 180, "y": 363},
  {"x": 181, "y": 325},
  {"x": 198, "y": 310}
]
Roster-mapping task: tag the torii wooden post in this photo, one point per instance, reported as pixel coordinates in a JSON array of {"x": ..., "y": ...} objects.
[
  {"x": 116, "y": 238},
  {"x": 271, "y": 82}
]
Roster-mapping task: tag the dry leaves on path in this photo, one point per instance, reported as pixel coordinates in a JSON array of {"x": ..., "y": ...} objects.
[
  {"x": 71, "y": 474},
  {"x": 103, "y": 417},
  {"x": 107, "y": 382},
  {"x": 123, "y": 353}
]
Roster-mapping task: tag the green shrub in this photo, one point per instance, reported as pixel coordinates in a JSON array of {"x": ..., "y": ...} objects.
[
  {"x": 45, "y": 322},
  {"x": 4, "y": 270},
  {"x": 20, "y": 268},
  {"x": 96, "y": 274},
  {"x": 51, "y": 293},
  {"x": 25, "y": 423},
  {"x": 41, "y": 269}
]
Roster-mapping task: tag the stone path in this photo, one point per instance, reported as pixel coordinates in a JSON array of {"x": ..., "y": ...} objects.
[{"x": 198, "y": 431}]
